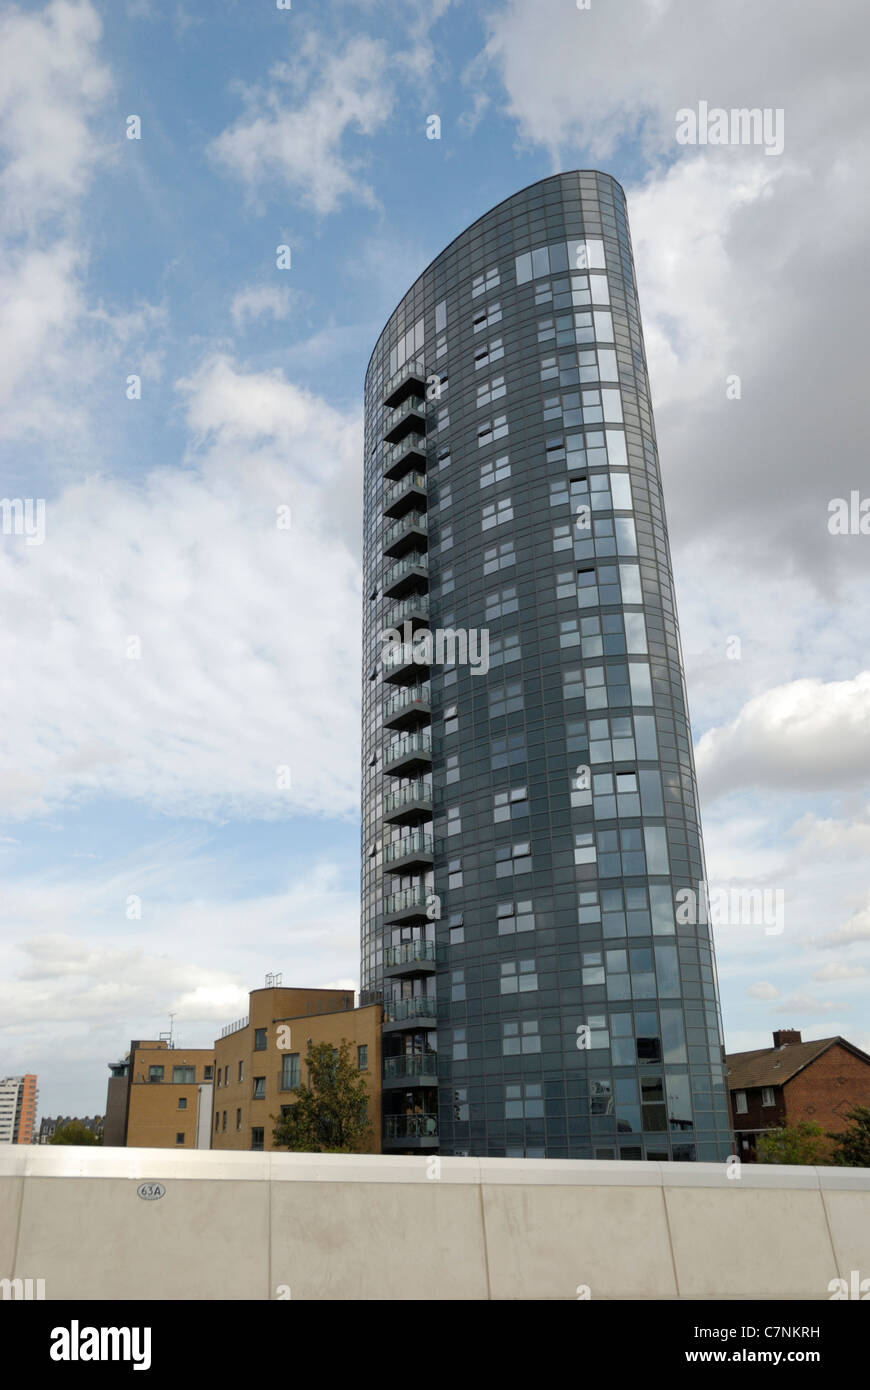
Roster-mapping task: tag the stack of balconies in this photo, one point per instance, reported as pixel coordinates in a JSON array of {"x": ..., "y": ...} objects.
[{"x": 410, "y": 1065}]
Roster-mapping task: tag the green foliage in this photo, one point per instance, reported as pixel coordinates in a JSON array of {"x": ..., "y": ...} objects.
[
  {"x": 330, "y": 1114},
  {"x": 803, "y": 1143},
  {"x": 75, "y": 1133},
  {"x": 852, "y": 1145}
]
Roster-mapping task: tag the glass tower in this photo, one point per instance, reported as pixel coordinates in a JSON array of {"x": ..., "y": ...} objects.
[{"x": 529, "y": 808}]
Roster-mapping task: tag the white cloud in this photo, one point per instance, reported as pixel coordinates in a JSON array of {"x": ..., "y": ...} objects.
[
  {"x": 836, "y": 971},
  {"x": 800, "y": 1005},
  {"x": 806, "y": 735},
  {"x": 57, "y": 347},
  {"x": 762, "y": 991},
  {"x": 51, "y": 82},
  {"x": 295, "y": 130},
  {"x": 856, "y": 928},
  {"x": 261, "y": 301},
  {"x": 249, "y": 633}
]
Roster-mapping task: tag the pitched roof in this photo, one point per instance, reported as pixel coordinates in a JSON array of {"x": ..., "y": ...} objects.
[{"x": 773, "y": 1066}]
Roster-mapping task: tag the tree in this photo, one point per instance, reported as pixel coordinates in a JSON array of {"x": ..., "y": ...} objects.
[
  {"x": 75, "y": 1133},
  {"x": 852, "y": 1145},
  {"x": 330, "y": 1114},
  {"x": 803, "y": 1143}
]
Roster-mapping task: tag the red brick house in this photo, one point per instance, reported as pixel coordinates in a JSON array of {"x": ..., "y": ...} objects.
[{"x": 793, "y": 1081}]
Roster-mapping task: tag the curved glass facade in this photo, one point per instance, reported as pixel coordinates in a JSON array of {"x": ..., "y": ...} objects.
[{"x": 529, "y": 800}]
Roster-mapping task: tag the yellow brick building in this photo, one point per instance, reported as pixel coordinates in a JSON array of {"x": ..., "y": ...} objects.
[
  {"x": 254, "y": 1077},
  {"x": 159, "y": 1097}
]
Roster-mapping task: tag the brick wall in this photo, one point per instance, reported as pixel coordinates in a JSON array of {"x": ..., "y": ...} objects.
[{"x": 832, "y": 1084}]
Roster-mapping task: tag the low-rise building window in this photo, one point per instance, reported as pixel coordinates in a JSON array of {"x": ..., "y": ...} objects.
[
  {"x": 257, "y": 1138},
  {"x": 259, "y": 1040},
  {"x": 362, "y": 1057},
  {"x": 767, "y": 1096},
  {"x": 290, "y": 1074},
  {"x": 740, "y": 1102}
]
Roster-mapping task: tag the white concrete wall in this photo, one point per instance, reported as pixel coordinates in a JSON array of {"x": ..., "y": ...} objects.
[{"x": 261, "y": 1225}]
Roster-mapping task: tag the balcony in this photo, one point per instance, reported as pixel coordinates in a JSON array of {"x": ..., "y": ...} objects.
[
  {"x": 414, "y": 610},
  {"x": 399, "y": 664},
  {"x": 406, "y": 575},
  {"x": 410, "y": 958},
  {"x": 420, "y": 1011},
  {"x": 407, "y": 418},
  {"x": 416, "y": 849},
  {"x": 409, "y": 754},
  {"x": 411, "y": 1131},
  {"x": 407, "y": 707},
  {"x": 408, "y": 804},
  {"x": 409, "y": 1067},
  {"x": 410, "y": 491},
  {"x": 408, "y": 380},
  {"x": 398, "y": 458},
  {"x": 410, "y": 530},
  {"x": 406, "y": 904}
]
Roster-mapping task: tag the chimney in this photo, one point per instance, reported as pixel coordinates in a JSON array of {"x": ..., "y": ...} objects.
[{"x": 783, "y": 1036}]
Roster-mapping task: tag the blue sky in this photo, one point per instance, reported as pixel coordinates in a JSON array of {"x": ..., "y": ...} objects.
[{"x": 154, "y": 777}]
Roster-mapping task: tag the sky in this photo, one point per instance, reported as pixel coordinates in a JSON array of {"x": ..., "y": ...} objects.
[{"x": 179, "y": 748}]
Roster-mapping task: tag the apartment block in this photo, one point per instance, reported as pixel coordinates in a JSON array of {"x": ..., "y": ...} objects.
[
  {"x": 529, "y": 809},
  {"x": 18, "y": 1097},
  {"x": 159, "y": 1097},
  {"x": 261, "y": 1058}
]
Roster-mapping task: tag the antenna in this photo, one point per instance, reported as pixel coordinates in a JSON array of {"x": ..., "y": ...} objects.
[{"x": 168, "y": 1037}]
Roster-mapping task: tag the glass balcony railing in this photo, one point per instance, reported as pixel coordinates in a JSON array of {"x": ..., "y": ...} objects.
[
  {"x": 406, "y": 700},
  {"x": 403, "y": 381},
  {"x": 417, "y": 481},
  {"x": 396, "y": 1068},
  {"x": 396, "y": 573},
  {"x": 398, "y": 1010},
  {"x": 409, "y": 746},
  {"x": 409, "y": 953},
  {"x": 397, "y": 657},
  {"x": 417, "y": 843},
  {"x": 412, "y": 446},
  {"x": 412, "y": 795},
  {"x": 418, "y": 559},
  {"x": 410, "y": 1126},
  {"x": 412, "y": 409},
  {"x": 408, "y": 608},
  {"x": 411, "y": 521},
  {"x": 410, "y": 900}
]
